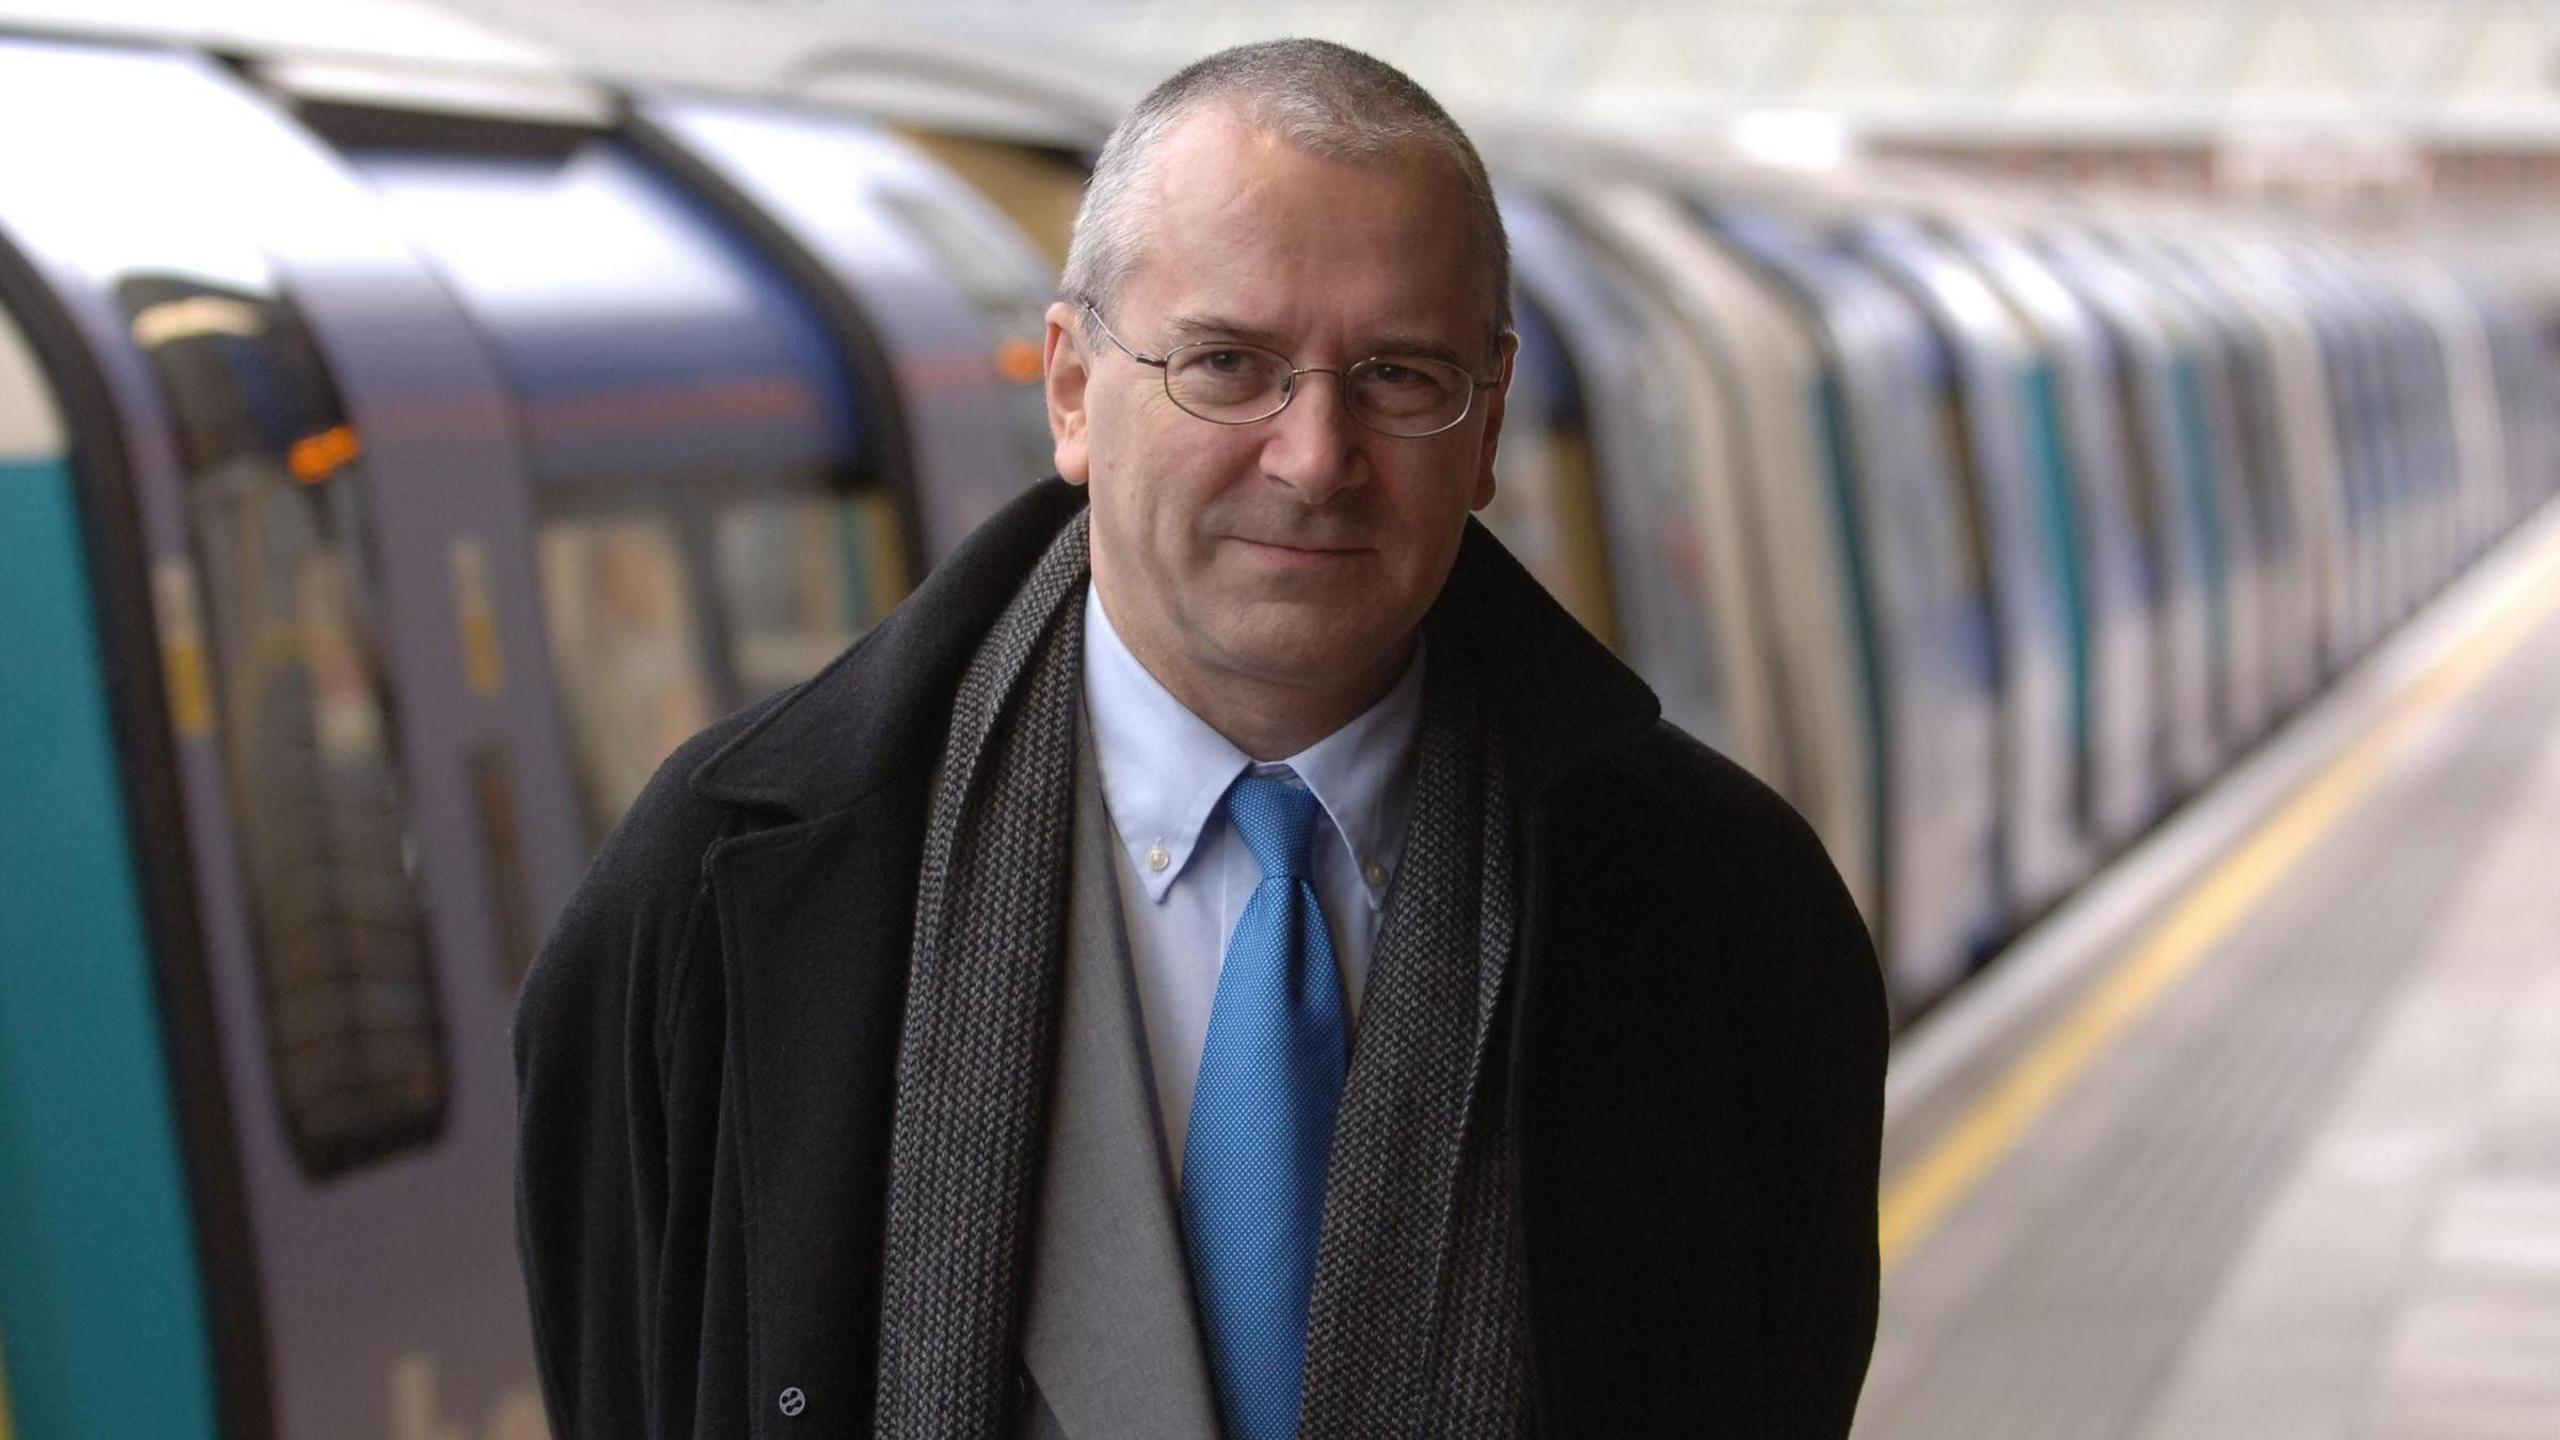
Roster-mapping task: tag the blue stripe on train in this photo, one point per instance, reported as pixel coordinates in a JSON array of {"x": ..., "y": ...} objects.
[{"x": 99, "y": 1296}]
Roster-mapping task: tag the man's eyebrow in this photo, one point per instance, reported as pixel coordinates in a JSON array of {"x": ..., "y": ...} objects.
[
  {"x": 1416, "y": 345},
  {"x": 1192, "y": 329}
]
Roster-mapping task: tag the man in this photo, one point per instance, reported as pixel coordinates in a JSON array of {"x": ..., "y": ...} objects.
[{"x": 1228, "y": 955}]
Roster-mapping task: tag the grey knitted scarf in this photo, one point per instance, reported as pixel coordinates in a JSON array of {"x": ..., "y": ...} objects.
[{"x": 1415, "y": 1323}]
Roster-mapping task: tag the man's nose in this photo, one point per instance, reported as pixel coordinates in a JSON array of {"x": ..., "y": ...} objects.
[{"x": 1314, "y": 447}]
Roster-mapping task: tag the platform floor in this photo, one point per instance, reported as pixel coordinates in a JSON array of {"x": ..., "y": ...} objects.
[{"x": 2268, "y": 1147}]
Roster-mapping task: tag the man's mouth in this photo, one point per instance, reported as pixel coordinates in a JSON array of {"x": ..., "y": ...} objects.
[{"x": 1312, "y": 550}]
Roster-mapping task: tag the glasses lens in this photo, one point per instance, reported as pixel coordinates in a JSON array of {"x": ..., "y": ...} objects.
[
  {"x": 1227, "y": 383},
  {"x": 1409, "y": 395}
]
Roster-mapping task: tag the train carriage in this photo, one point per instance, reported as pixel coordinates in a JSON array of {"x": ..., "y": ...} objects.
[
  {"x": 1768, "y": 367},
  {"x": 1678, "y": 579},
  {"x": 2021, "y": 516},
  {"x": 1921, "y": 599},
  {"x": 2083, "y": 439}
]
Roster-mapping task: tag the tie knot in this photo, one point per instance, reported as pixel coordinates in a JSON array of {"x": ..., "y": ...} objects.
[{"x": 1277, "y": 817}]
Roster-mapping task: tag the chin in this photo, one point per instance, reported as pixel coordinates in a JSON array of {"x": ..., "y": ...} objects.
[{"x": 1316, "y": 650}]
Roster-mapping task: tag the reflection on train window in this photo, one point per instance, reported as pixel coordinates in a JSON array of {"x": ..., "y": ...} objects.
[
  {"x": 801, "y": 578},
  {"x": 628, "y": 650},
  {"x": 282, "y": 535},
  {"x": 669, "y": 605}
]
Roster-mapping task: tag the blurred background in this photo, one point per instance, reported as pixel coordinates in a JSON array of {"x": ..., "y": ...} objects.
[{"x": 2093, "y": 457}]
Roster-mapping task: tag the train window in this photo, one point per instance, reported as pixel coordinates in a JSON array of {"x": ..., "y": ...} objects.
[
  {"x": 668, "y": 605},
  {"x": 283, "y": 537},
  {"x": 802, "y": 577},
  {"x": 1546, "y": 509},
  {"x": 629, "y": 651},
  {"x": 1955, "y": 438}
]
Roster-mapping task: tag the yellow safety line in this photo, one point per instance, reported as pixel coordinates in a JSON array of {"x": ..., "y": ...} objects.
[
  {"x": 5, "y": 1431},
  {"x": 1922, "y": 1193}
]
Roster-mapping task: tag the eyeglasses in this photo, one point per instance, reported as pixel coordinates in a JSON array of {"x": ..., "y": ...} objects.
[{"x": 1227, "y": 382}]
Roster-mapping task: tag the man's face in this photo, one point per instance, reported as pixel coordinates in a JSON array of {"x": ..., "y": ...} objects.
[{"x": 1301, "y": 550}]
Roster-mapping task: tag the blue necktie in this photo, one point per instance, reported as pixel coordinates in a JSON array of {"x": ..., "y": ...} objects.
[{"x": 1262, "y": 1121}]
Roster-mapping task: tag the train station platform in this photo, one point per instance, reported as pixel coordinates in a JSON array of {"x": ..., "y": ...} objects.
[{"x": 2259, "y": 1138}]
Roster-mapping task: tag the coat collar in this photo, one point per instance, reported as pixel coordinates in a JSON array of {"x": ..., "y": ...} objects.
[{"x": 877, "y": 713}]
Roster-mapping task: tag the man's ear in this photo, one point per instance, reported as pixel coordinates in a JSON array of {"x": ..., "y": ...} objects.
[
  {"x": 1494, "y": 401},
  {"x": 1063, "y": 361}
]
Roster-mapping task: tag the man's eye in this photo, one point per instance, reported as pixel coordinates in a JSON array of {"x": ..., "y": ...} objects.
[{"x": 1226, "y": 362}]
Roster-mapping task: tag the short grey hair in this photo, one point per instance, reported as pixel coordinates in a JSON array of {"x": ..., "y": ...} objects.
[{"x": 1326, "y": 99}]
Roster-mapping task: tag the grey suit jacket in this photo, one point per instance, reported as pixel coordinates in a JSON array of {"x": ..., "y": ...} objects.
[{"x": 1111, "y": 1343}]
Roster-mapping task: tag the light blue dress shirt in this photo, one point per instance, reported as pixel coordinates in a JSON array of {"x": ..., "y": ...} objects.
[{"x": 1185, "y": 874}]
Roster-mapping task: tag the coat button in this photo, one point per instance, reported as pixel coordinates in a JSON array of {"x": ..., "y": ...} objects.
[{"x": 793, "y": 1402}]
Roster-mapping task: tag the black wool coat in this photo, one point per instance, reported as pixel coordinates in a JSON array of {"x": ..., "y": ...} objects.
[{"x": 704, "y": 1050}]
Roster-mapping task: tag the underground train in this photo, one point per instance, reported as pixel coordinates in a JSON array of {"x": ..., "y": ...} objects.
[{"x": 392, "y": 472}]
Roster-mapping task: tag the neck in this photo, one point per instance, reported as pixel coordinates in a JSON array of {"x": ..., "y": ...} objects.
[{"x": 1274, "y": 720}]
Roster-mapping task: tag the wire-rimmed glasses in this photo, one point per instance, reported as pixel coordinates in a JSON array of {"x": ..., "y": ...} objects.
[{"x": 1228, "y": 382}]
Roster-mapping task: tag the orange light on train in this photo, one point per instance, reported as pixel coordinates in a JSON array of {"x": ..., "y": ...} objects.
[
  {"x": 315, "y": 458},
  {"x": 1018, "y": 360}
]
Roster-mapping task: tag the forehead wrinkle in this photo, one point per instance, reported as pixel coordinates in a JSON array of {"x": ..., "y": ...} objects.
[{"x": 1184, "y": 329}]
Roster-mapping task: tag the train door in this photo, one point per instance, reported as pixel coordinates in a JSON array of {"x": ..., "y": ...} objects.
[
  {"x": 955, "y": 295},
  {"x": 2402, "y": 536},
  {"x": 2023, "y": 521},
  {"x": 2192, "y": 619},
  {"x": 2439, "y": 399},
  {"x": 2363, "y": 386},
  {"x": 2212, "y": 459},
  {"x": 1685, "y": 608},
  {"x": 719, "y": 465},
  {"x": 2251, "y": 461},
  {"x": 2306, "y": 450},
  {"x": 2296, "y": 526},
  {"x": 362, "y": 755},
  {"x": 1922, "y": 600},
  {"x": 2083, "y": 442},
  {"x": 101, "y": 1305},
  {"x": 2408, "y": 478},
  {"x": 2480, "y": 459},
  {"x": 1769, "y": 372},
  {"x": 2351, "y": 419}
]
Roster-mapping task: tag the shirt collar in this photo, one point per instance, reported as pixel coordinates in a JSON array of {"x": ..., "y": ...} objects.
[{"x": 1164, "y": 769}]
